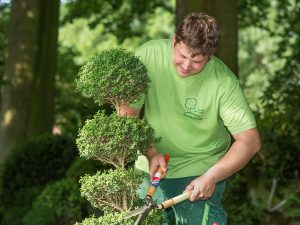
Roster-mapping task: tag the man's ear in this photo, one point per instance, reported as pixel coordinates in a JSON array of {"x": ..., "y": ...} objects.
[{"x": 174, "y": 40}]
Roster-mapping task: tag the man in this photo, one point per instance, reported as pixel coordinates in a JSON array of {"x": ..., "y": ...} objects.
[{"x": 195, "y": 104}]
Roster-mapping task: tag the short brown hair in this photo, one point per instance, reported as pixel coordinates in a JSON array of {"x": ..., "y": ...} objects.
[{"x": 199, "y": 32}]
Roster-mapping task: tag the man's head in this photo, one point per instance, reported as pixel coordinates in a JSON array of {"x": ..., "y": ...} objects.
[{"x": 195, "y": 40}]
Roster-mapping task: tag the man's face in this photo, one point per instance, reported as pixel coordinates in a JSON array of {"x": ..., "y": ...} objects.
[{"x": 185, "y": 64}]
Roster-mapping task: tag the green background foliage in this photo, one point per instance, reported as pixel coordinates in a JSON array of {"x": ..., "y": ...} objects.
[
  {"x": 29, "y": 164},
  {"x": 59, "y": 203}
]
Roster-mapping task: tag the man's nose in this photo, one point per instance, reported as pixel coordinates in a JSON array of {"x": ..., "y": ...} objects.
[{"x": 186, "y": 64}]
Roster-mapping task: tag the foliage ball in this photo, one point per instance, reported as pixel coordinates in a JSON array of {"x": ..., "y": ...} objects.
[
  {"x": 155, "y": 217},
  {"x": 110, "y": 186},
  {"x": 113, "y": 139},
  {"x": 113, "y": 76},
  {"x": 107, "y": 219}
]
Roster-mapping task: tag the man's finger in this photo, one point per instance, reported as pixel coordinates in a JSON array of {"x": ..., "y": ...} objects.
[
  {"x": 152, "y": 173},
  {"x": 193, "y": 196},
  {"x": 189, "y": 188}
]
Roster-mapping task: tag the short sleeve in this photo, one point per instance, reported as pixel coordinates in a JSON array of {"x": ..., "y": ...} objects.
[
  {"x": 140, "y": 53},
  {"x": 235, "y": 111}
]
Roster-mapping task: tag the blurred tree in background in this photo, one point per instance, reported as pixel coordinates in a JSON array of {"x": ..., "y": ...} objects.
[
  {"x": 27, "y": 101},
  {"x": 4, "y": 15}
]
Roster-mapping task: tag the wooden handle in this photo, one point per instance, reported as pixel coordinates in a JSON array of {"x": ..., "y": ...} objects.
[
  {"x": 173, "y": 201},
  {"x": 156, "y": 179}
]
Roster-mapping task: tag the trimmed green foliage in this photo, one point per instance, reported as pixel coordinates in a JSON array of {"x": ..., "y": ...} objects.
[
  {"x": 114, "y": 140},
  {"x": 113, "y": 76},
  {"x": 116, "y": 77},
  {"x": 113, "y": 190},
  {"x": 59, "y": 203},
  {"x": 155, "y": 217},
  {"x": 107, "y": 219}
]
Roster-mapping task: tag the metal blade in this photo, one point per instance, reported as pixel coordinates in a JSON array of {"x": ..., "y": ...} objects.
[
  {"x": 136, "y": 212},
  {"x": 144, "y": 214},
  {"x": 140, "y": 218}
]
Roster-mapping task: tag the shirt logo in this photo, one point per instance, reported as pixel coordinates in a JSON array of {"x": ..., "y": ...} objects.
[{"x": 191, "y": 109}]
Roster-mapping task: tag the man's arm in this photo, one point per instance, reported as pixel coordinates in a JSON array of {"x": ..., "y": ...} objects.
[{"x": 244, "y": 147}]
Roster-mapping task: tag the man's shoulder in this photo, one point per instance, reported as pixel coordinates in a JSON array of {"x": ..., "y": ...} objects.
[{"x": 222, "y": 72}]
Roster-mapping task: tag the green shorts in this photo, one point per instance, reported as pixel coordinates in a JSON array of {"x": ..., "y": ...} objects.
[{"x": 202, "y": 212}]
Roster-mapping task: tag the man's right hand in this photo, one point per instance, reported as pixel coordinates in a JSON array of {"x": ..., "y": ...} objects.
[
  {"x": 125, "y": 110},
  {"x": 156, "y": 160}
]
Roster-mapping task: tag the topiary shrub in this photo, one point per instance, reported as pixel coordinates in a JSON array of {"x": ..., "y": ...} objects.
[
  {"x": 117, "y": 77},
  {"x": 59, "y": 203},
  {"x": 113, "y": 76},
  {"x": 114, "y": 140}
]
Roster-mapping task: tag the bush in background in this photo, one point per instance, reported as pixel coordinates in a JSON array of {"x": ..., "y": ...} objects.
[
  {"x": 59, "y": 203},
  {"x": 27, "y": 170}
]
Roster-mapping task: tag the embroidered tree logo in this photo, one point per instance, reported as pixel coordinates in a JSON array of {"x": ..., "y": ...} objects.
[
  {"x": 117, "y": 77},
  {"x": 191, "y": 109}
]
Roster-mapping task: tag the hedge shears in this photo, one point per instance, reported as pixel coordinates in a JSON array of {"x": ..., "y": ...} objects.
[{"x": 145, "y": 210}]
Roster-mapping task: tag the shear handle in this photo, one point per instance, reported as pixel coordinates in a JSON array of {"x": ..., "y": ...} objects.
[
  {"x": 156, "y": 179},
  {"x": 173, "y": 201}
]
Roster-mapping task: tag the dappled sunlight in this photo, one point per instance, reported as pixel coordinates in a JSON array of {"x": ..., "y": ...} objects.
[
  {"x": 8, "y": 117},
  {"x": 30, "y": 14},
  {"x": 21, "y": 73}
]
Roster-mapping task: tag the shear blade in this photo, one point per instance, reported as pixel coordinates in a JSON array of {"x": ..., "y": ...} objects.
[
  {"x": 138, "y": 211},
  {"x": 143, "y": 215}
]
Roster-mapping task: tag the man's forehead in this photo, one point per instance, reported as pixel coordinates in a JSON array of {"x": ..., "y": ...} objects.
[
  {"x": 185, "y": 50},
  {"x": 198, "y": 57},
  {"x": 194, "y": 55}
]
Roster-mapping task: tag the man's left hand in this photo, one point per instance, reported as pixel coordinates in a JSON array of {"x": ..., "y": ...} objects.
[{"x": 201, "y": 188}]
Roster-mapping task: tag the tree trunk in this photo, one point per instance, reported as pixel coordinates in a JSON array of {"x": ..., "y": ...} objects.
[
  {"x": 226, "y": 16},
  {"x": 28, "y": 102}
]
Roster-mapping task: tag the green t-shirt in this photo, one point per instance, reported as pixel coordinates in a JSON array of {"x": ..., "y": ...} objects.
[{"x": 194, "y": 115}]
